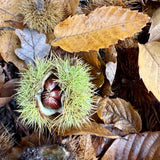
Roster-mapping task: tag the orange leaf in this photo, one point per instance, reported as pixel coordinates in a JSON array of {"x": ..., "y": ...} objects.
[{"x": 101, "y": 28}]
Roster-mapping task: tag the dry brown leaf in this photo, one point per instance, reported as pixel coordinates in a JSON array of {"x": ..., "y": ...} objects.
[
  {"x": 8, "y": 11},
  {"x": 70, "y": 6},
  {"x": 8, "y": 89},
  {"x": 155, "y": 26},
  {"x": 91, "y": 128},
  {"x": 9, "y": 42},
  {"x": 149, "y": 66},
  {"x": 103, "y": 27},
  {"x": 2, "y": 77},
  {"x": 5, "y": 100},
  {"x": 86, "y": 149},
  {"x": 144, "y": 146},
  {"x": 120, "y": 113}
]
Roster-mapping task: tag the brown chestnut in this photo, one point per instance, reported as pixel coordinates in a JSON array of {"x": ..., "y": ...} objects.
[
  {"x": 51, "y": 97},
  {"x": 50, "y": 84}
]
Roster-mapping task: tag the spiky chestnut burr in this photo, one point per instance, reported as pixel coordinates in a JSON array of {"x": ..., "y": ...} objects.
[
  {"x": 42, "y": 15},
  {"x": 72, "y": 78},
  {"x": 6, "y": 141}
]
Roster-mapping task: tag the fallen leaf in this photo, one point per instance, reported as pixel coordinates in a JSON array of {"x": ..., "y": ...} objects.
[
  {"x": 8, "y": 11},
  {"x": 111, "y": 71},
  {"x": 135, "y": 147},
  {"x": 92, "y": 128},
  {"x": 70, "y": 6},
  {"x": 86, "y": 149},
  {"x": 5, "y": 100},
  {"x": 2, "y": 77},
  {"x": 33, "y": 45},
  {"x": 120, "y": 113},
  {"x": 155, "y": 26},
  {"x": 103, "y": 27},
  {"x": 149, "y": 66},
  {"x": 9, "y": 42},
  {"x": 8, "y": 89}
]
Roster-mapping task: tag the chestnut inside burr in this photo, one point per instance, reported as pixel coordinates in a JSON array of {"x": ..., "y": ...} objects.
[{"x": 51, "y": 95}]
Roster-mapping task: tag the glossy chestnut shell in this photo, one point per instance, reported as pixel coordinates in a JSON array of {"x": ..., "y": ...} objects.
[{"x": 51, "y": 96}]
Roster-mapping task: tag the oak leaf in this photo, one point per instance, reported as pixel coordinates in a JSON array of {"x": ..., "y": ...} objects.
[
  {"x": 120, "y": 113},
  {"x": 135, "y": 147},
  {"x": 149, "y": 66},
  {"x": 101, "y": 28},
  {"x": 33, "y": 45}
]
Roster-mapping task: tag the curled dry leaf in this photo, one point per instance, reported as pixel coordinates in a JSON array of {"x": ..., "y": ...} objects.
[
  {"x": 111, "y": 71},
  {"x": 120, "y": 113},
  {"x": 135, "y": 147},
  {"x": 155, "y": 26},
  {"x": 149, "y": 66},
  {"x": 33, "y": 45},
  {"x": 91, "y": 128},
  {"x": 101, "y": 28}
]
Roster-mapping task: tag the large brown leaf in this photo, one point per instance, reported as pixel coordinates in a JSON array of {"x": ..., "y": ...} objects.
[
  {"x": 120, "y": 113},
  {"x": 103, "y": 27},
  {"x": 91, "y": 128},
  {"x": 144, "y": 146},
  {"x": 149, "y": 66}
]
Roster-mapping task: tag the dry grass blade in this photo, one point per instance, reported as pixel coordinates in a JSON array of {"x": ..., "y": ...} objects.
[
  {"x": 101, "y": 28},
  {"x": 135, "y": 147},
  {"x": 149, "y": 66},
  {"x": 120, "y": 113}
]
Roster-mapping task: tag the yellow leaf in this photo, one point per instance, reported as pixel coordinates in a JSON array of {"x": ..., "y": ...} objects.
[
  {"x": 149, "y": 66},
  {"x": 120, "y": 113},
  {"x": 101, "y": 28}
]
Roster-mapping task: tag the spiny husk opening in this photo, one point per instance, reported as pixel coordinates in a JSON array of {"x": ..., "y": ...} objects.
[{"x": 73, "y": 78}]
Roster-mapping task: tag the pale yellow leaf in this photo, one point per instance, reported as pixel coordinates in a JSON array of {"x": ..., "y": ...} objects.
[
  {"x": 155, "y": 26},
  {"x": 101, "y": 28},
  {"x": 149, "y": 66},
  {"x": 120, "y": 113}
]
